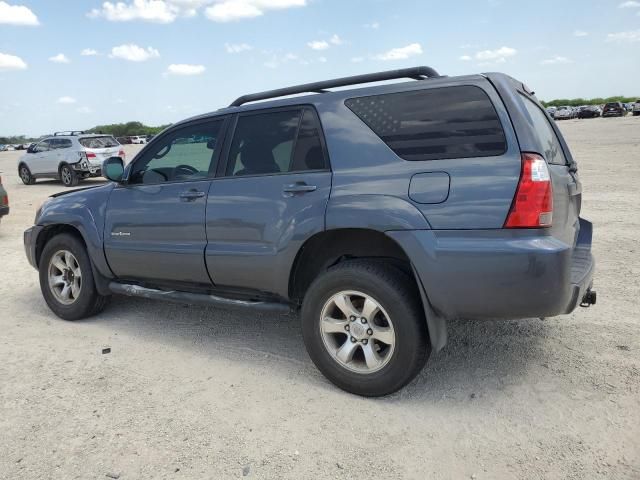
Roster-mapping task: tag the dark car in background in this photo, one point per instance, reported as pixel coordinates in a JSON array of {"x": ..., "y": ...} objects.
[
  {"x": 4, "y": 201},
  {"x": 590, "y": 111},
  {"x": 614, "y": 109}
]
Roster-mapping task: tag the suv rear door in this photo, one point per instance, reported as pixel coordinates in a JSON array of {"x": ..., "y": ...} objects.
[
  {"x": 271, "y": 195},
  {"x": 154, "y": 227}
]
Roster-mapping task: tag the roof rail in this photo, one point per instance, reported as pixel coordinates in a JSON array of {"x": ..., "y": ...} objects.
[
  {"x": 68, "y": 133},
  {"x": 417, "y": 73}
]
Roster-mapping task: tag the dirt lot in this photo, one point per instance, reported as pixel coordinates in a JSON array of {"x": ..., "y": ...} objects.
[{"x": 191, "y": 392}]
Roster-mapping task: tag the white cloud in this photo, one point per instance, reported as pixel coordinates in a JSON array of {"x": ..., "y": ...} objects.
[
  {"x": 580, "y": 33},
  {"x": 318, "y": 45},
  {"x": 134, "y": 53},
  {"x": 629, "y": 36},
  {"x": 335, "y": 39},
  {"x": 59, "y": 58},
  {"x": 11, "y": 62},
  {"x": 237, "y": 47},
  {"x": 158, "y": 11},
  {"x": 465, "y": 58},
  {"x": 498, "y": 55},
  {"x": 276, "y": 60},
  {"x": 66, "y": 100},
  {"x": 185, "y": 69},
  {"x": 556, "y": 60},
  {"x": 372, "y": 25},
  {"x": 17, "y": 15},
  {"x": 630, "y": 4},
  {"x": 230, "y": 10},
  {"x": 84, "y": 110},
  {"x": 89, "y": 52},
  {"x": 401, "y": 53}
]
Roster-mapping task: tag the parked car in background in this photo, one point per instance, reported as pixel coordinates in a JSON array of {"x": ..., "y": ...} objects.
[
  {"x": 589, "y": 111},
  {"x": 4, "y": 201},
  {"x": 343, "y": 205},
  {"x": 564, "y": 113},
  {"x": 551, "y": 111},
  {"x": 138, "y": 139},
  {"x": 68, "y": 156},
  {"x": 124, "y": 140},
  {"x": 613, "y": 109},
  {"x": 636, "y": 108}
]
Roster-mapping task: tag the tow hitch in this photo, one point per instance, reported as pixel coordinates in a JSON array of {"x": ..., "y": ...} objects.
[{"x": 589, "y": 298}]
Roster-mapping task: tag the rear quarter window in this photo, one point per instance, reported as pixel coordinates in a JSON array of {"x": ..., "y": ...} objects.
[
  {"x": 436, "y": 123},
  {"x": 552, "y": 150}
]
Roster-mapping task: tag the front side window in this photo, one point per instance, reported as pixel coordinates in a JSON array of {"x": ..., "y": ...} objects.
[
  {"x": 276, "y": 142},
  {"x": 184, "y": 154},
  {"x": 60, "y": 143},
  {"x": 43, "y": 146},
  {"x": 433, "y": 124}
]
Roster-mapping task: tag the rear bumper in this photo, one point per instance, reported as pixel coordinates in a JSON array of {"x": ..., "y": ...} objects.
[
  {"x": 4, "y": 210},
  {"x": 30, "y": 238},
  {"x": 499, "y": 273}
]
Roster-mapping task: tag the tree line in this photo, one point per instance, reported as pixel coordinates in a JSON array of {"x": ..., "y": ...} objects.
[
  {"x": 577, "y": 102},
  {"x": 127, "y": 129}
]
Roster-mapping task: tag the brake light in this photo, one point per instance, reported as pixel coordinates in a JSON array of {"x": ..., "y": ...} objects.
[
  {"x": 5, "y": 200},
  {"x": 121, "y": 154},
  {"x": 533, "y": 203},
  {"x": 91, "y": 155}
]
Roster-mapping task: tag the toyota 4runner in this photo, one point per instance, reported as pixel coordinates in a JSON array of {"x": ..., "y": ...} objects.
[{"x": 378, "y": 212}]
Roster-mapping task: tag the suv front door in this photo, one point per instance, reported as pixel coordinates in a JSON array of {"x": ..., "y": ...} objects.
[
  {"x": 154, "y": 229},
  {"x": 271, "y": 197},
  {"x": 40, "y": 160}
]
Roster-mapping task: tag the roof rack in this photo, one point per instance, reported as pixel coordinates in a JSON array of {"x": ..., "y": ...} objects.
[
  {"x": 417, "y": 73},
  {"x": 68, "y": 133}
]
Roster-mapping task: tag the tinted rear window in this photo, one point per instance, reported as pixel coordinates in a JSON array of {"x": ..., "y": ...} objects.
[
  {"x": 438, "y": 123},
  {"x": 614, "y": 104},
  {"x": 98, "y": 142},
  {"x": 552, "y": 150}
]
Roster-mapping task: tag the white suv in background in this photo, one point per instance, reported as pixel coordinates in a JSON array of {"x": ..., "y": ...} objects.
[
  {"x": 68, "y": 156},
  {"x": 141, "y": 140}
]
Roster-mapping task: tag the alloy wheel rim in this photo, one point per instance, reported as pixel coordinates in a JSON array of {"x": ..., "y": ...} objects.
[
  {"x": 66, "y": 176},
  {"x": 357, "y": 332},
  {"x": 24, "y": 174},
  {"x": 65, "y": 277}
]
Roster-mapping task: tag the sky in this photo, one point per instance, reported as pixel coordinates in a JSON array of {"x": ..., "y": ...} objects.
[{"x": 74, "y": 64}]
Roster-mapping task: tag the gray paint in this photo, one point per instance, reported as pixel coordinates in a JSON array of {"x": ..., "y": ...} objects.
[{"x": 429, "y": 187}]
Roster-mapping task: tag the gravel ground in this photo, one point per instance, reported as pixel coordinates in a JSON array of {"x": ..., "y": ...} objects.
[{"x": 190, "y": 392}]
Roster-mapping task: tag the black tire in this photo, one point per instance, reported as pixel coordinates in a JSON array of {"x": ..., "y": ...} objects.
[
  {"x": 25, "y": 175},
  {"x": 68, "y": 177},
  {"x": 89, "y": 302},
  {"x": 398, "y": 295}
]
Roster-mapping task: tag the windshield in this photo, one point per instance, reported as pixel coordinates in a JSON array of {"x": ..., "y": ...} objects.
[{"x": 104, "y": 141}]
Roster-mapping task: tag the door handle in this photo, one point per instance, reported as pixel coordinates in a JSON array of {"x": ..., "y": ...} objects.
[
  {"x": 191, "y": 195},
  {"x": 299, "y": 187}
]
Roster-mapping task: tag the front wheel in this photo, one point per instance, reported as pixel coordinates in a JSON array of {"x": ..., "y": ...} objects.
[
  {"x": 364, "y": 327},
  {"x": 66, "y": 279},
  {"x": 68, "y": 176}
]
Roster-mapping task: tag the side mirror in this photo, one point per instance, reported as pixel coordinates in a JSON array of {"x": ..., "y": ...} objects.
[
  {"x": 31, "y": 149},
  {"x": 113, "y": 169}
]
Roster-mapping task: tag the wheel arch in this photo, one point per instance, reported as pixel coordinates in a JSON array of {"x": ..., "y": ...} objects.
[{"x": 330, "y": 247}]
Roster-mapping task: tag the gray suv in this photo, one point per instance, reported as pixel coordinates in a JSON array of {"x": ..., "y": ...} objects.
[{"x": 378, "y": 212}]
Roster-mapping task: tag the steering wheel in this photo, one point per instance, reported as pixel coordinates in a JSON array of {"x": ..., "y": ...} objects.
[{"x": 187, "y": 169}]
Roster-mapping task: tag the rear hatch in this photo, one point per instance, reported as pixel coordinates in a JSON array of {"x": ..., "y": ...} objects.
[{"x": 101, "y": 146}]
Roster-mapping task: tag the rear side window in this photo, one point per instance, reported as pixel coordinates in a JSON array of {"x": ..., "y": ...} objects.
[
  {"x": 553, "y": 152},
  {"x": 438, "y": 123},
  {"x": 98, "y": 142},
  {"x": 276, "y": 142}
]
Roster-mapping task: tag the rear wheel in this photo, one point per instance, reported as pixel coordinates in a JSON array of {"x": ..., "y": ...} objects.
[
  {"x": 364, "y": 327},
  {"x": 66, "y": 279},
  {"x": 25, "y": 175},
  {"x": 68, "y": 176}
]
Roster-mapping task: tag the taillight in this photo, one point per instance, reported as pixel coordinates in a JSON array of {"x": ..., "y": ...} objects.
[
  {"x": 533, "y": 203},
  {"x": 121, "y": 154},
  {"x": 5, "y": 200},
  {"x": 91, "y": 155}
]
